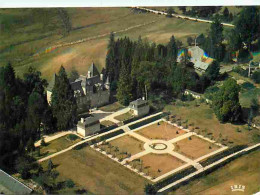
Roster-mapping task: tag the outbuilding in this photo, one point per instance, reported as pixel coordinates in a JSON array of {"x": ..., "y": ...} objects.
[{"x": 88, "y": 126}]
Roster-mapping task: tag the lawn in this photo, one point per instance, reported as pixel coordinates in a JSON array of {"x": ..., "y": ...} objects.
[
  {"x": 29, "y": 38},
  {"x": 242, "y": 171},
  {"x": 112, "y": 107},
  {"x": 164, "y": 131},
  {"x": 158, "y": 164},
  {"x": 107, "y": 123},
  {"x": 97, "y": 173},
  {"x": 204, "y": 121},
  {"x": 125, "y": 116},
  {"x": 128, "y": 144},
  {"x": 195, "y": 148},
  {"x": 58, "y": 145}
]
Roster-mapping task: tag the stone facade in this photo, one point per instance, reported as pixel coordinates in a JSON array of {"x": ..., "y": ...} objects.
[
  {"x": 90, "y": 90},
  {"x": 139, "y": 107},
  {"x": 88, "y": 126}
]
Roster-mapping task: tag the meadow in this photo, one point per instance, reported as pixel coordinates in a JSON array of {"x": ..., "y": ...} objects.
[{"x": 29, "y": 38}]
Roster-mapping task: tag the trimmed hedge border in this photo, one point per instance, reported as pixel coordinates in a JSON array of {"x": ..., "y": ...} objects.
[
  {"x": 105, "y": 129},
  {"x": 147, "y": 121},
  {"x": 98, "y": 139},
  {"x": 208, "y": 171},
  {"x": 174, "y": 177},
  {"x": 227, "y": 152}
]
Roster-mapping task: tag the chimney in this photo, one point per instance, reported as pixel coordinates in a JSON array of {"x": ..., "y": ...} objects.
[
  {"x": 143, "y": 98},
  {"x": 101, "y": 77},
  {"x": 82, "y": 120},
  {"x": 89, "y": 74}
]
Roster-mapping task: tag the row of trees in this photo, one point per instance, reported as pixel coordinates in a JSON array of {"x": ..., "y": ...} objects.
[{"x": 25, "y": 113}]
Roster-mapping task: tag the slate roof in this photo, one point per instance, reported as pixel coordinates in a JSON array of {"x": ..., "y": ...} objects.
[
  {"x": 201, "y": 65},
  {"x": 76, "y": 86},
  {"x": 93, "y": 70},
  {"x": 12, "y": 184},
  {"x": 138, "y": 102},
  {"x": 89, "y": 121},
  {"x": 52, "y": 82}
]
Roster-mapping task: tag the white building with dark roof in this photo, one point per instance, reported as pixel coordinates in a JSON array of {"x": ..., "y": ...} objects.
[
  {"x": 139, "y": 107},
  {"x": 88, "y": 126},
  {"x": 89, "y": 89}
]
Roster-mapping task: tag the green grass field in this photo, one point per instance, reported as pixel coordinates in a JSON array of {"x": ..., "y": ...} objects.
[
  {"x": 28, "y": 38},
  {"x": 58, "y": 145},
  {"x": 205, "y": 122},
  {"x": 242, "y": 171},
  {"x": 96, "y": 173}
]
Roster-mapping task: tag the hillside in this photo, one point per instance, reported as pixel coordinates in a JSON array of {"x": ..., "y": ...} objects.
[{"x": 23, "y": 37}]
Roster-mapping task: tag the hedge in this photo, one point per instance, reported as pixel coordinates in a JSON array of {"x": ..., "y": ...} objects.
[
  {"x": 227, "y": 152},
  {"x": 147, "y": 121},
  {"x": 96, "y": 140},
  {"x": 175, "y": 177},
  {"x": 105, "y": 129}
]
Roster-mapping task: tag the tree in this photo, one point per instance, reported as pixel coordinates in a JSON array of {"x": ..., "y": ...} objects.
[
  {"x": 247, "y": 25},
  {"x": 73, "y": 74},
  {"x": 183, "y": 9},
  {"x": 63, "y": 102},
  {"x": 170, "y": 11},
  {"x": 150, "y": 189},
  {"x": 172, "y": 49},
  {"x": 65, "y": 21},
  {"x": 200, "y": 39},
  {"x": 189, "y": 41},
  {"x": 256, "y": 76},
  {"x": 213, "y": 70},
  {"x": 23, "y": 165},
  {"x": 226, "y": 14},
  {"x": 50, "y": 165},
  {"x": 30, "y": 145},
  {"x": 215, "y": 37},
  {"x": 226, "y": 102},
  {"x": 124, "y": 89}
]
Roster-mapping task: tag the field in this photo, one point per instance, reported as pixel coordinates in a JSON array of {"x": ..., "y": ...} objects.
[
  {"x": 29, "y": 38},
  {"x": 164, "y": 131},
  {"x": 96, "y": 173},
  {"x": 160, "y": 164},
  {"x": 125, "y": 116},
  {"x": 107, "y": 123},
  {"x": 128, "y": 143},
  {"x": 58, "y": 145},
  {"x": 195, "y": 147},
  {"x": 202, "y": 118},
  {"x": 242, "y": 171},
  {"x": 112, "y": 107}
]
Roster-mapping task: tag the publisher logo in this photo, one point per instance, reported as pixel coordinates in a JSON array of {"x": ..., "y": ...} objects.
[{"x": 238, "y": 188}]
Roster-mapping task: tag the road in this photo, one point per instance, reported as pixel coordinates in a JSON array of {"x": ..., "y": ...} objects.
[{"x": 182, "y": 16}]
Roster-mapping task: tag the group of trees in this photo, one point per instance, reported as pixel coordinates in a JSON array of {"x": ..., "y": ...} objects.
[
  {"x": 26, "y": 114},
  {"x": 24, "y": 111},
  {"x": 139, "y": 66}
]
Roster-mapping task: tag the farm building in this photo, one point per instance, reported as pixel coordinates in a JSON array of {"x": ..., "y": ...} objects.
[
  {"x": 10, "y": 185},
  {"x": 198, "y": 57},
  {"x": 140, "y": 107},
  {"x": 91, "y": 89},
  {"x": 88, "y": 126}
]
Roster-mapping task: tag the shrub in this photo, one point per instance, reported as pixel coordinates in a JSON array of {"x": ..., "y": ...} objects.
[
  {"x": 72, "y": 137},
  {"x": 43, "y": 143},
  {"x": 70, "y": 183},
  {"x": 256, "y": 76},
  {"x": 247, "y": 85}
]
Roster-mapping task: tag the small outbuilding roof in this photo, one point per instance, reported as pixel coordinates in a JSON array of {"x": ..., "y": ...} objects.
[
  {"x": 138, "y": 102},
  {"x": 88, "y": 121},
  {"x": 12, "y": 185}
]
